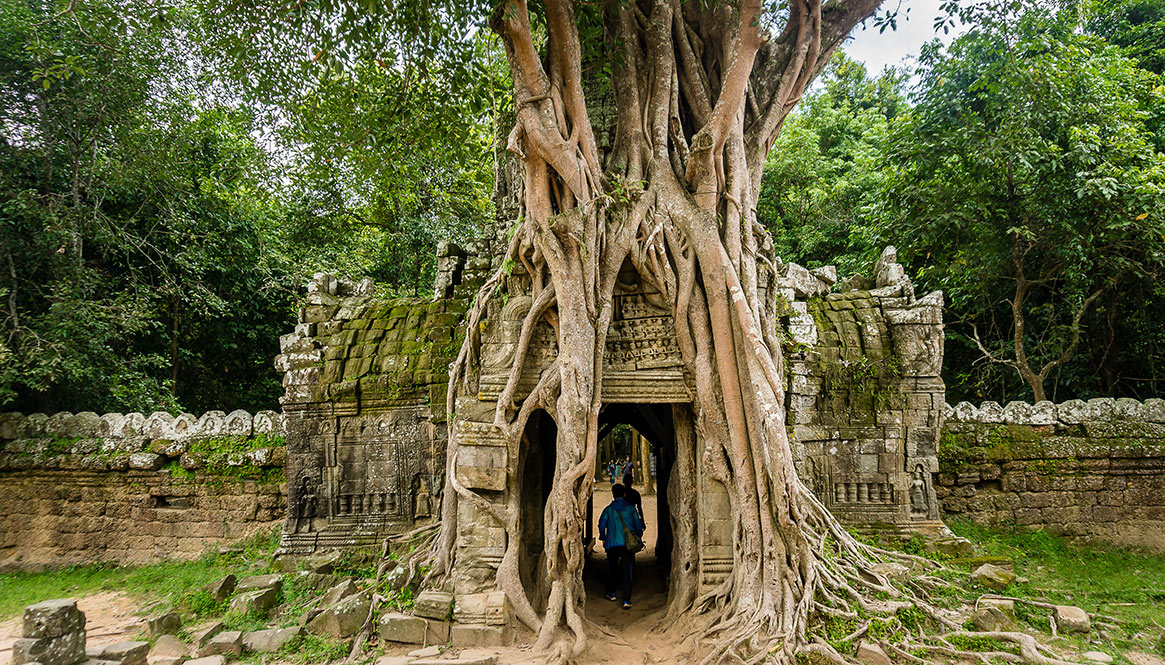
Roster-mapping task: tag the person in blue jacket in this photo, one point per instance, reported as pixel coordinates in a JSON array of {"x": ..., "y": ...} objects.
[{"x": 620, "y": 562}]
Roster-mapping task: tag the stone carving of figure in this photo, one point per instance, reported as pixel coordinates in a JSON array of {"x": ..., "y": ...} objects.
[
  {"x": 422, "y": 504},
  {"x": 305, "y": 508},
  {"x": 919, "y": 505}
]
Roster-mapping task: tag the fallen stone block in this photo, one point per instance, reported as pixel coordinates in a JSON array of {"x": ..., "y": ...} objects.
[
  {"x": 991, "y": 619},
  {"x": 953, "y": 547},
  {"x": 1071, "y": 619},
  {"x": 222, "y": 589},
  {"x": 201, "y": 635},
  {"x": 434, "y": 605},
  {"x": 167, "y": 623},
  {"x": 343, "y": 619},
  {"x": 872, "y": 654},
  {"x": 124, "y": 653},
  {"x": 53, "y": 618},
  {"x": 993, "y": 577},
  {"x": 894, "y": 571},
  {"x": 169, "y": 647},
  {"x": 338, "y": 593},
  {"x": 67, "y": 649},
  {"x": 324, "y": 563},
  {"x": 229, "y": 642},
  {"x": 209, "y": 660},
  {"x": 271, "y": 640},
  {"x": 427, "y": 652},
  {"x": 146, "y": 461},
  {"x": 258, "y": 602},
  {"x": 1098, "y": 657},
  {"x": 255, "y": 582}
]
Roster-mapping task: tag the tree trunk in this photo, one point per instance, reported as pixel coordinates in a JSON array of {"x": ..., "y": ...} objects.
[{"x": 700, "y": 96}]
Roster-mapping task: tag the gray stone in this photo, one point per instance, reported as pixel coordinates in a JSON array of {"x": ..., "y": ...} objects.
[
  {"x": 427, "y": 652},
  {"x": 166, "y": 623},
  {"x": 238, "y": 423},
  {"x": 210, "y": 424},
  {"x": 1017, "y": 413},
  {"x": 125, "y": 653},
  {"x": 466, "y": 657},
  {"x": 1153, "y": 410},
  {"x": 1102, "y": 409},
  {"x": 894, "y": 571},
  {"x": 1072, "y": 619},
  {"x": 397, "y": 578},
  {"x": 202, "y": 635},
  {"x": 1098, "y": 657},
  {"x": 271, "y": 640},
  {"x": 827, "y": 274},
  {"x": 990, "y": 412},
  {"x": 952, "y": 547},
  {"x": 1004, "y": 605},
  {"x": 67, "y": 649},
  {"x": 259, "y": 601},
  {"x": 227, "y": 642},
  {"x": 343, "y": 619},
  {"x": 338, "y": 593},
  {"x": 966, "y": 412},
  {"x": 1042, "y": 413},
  {"x": 993, "y": 577},
  {"x": 434, "y": 604},
  {"x": 1127, "y": 408},
  {"x": 222, "y": 589},
  {"x": 53, "y": 618},
  {"x": 991, "y": 619},
  {"x": 209, "y": 660},
  {"x": 169, "y": 646},
  {"x": 477, "y": 635},
  {"x": 872, "y": 654},
  {"x": 324, "y": 563},
  {"x": 272, "y": 581},
  {"x": 403, "y": 628},
  {"x": 1073, "y": 412},
  {"x": 184, "y": 425}
]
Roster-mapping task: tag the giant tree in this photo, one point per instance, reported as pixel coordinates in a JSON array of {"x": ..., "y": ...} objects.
[{"x": 700, "y": 91}]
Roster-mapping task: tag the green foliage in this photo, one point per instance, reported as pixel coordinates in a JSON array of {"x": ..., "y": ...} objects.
[{"x": 1028, "y": 157}]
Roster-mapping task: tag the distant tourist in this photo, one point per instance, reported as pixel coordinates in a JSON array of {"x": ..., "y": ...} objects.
[
  {"x": 611, "y": 470},
  {"x": 618, "y": 521}
]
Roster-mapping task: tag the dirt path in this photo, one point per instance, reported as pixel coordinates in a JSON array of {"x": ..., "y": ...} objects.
[{"x": 110, "y": 616}]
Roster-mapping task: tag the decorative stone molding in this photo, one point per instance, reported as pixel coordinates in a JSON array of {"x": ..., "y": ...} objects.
[
  {"x": 1070, "y": 412},
  {"x": 159, "y": 425}
]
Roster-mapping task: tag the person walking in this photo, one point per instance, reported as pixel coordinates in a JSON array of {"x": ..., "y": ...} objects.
[
  {"x": 611, "y": 470},
  {"x": 617, "y": 518},
  {"x": 631, "y": 496}
]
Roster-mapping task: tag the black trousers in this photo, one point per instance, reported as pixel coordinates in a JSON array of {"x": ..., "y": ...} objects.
[{"x": 620, "y": 570}]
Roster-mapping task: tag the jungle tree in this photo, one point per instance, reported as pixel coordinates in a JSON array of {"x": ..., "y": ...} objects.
[{"x": 700, "y": 93}]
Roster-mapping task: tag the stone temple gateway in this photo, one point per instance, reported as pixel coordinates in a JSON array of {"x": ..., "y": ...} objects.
[{"x": 367, "y": 422}]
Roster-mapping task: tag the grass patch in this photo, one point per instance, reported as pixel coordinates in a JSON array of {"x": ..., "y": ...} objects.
[{"x": 173, "y": 582}]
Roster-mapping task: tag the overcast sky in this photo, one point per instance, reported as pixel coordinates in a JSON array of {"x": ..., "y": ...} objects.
[{"x": 915, "y": 28}]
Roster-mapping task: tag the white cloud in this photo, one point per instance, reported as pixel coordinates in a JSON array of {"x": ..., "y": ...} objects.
[{"x": 893, "y": 47}]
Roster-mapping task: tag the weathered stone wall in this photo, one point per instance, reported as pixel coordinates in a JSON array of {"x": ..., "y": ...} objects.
[
  {"x": 1093, "y": 470},
  {"x": 83, "y": 488},
  {"x": 365, "y": 382}
]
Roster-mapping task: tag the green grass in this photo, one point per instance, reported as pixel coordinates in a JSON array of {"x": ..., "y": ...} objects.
[
  {"x": 172, "y": 582},
  {"x": 1109, "y": 580}
]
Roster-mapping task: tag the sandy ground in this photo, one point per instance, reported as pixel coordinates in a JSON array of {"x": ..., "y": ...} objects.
[{"x": 110, "y": 616}]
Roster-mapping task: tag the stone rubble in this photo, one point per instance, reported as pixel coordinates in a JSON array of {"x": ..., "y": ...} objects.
[{"x": 53, "y": 634}]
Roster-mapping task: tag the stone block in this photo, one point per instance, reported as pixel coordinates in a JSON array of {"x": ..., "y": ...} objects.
[
  {"x": 466, "y": 657},
  {"x": 434, "y": 605},
  {"x": 1071, "y": 619},
  {"x": 993, "y": 577},
  {"x": 403, "y": 628},
  {"x": 168, "y": 646},
  {"x": 271, "y": 640},
  {"x": 53, "y": 618},
  {"x": 337, "y": 593},
  {"x": 991, "y": 619},
  {"x": 67, "y": 649},
  {"x": 125, "y": 653},
  {"x": 166, "y": 623},
  {"x": 209, "y": 660},
  {"x": 477, "y": 635},
  {"x": 872, "y": 654},
  {"x": 343, "y": 619},
  {"x": 272, "y": 581},
  {"x": 222, "y": 589},
  {"x": 259, "y": 601},
  {"x": 203, "y": 634},
  {"x": 228, "y": 642}
]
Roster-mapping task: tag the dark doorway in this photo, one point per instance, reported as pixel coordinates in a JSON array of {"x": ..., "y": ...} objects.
[{"x": 540, "y": 450}]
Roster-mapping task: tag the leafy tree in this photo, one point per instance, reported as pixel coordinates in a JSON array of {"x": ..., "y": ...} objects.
[
  {"x": 825, "y": 171},
  {"x": 1028, "y": 185}
]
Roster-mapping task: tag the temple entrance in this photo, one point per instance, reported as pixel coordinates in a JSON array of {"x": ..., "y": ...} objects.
[{"x": 641, "y": 436}]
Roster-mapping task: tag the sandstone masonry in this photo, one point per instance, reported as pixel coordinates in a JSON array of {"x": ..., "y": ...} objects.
[
  {"x": 129, "y": 488},
  {"x": 1093, "y": 470}
]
